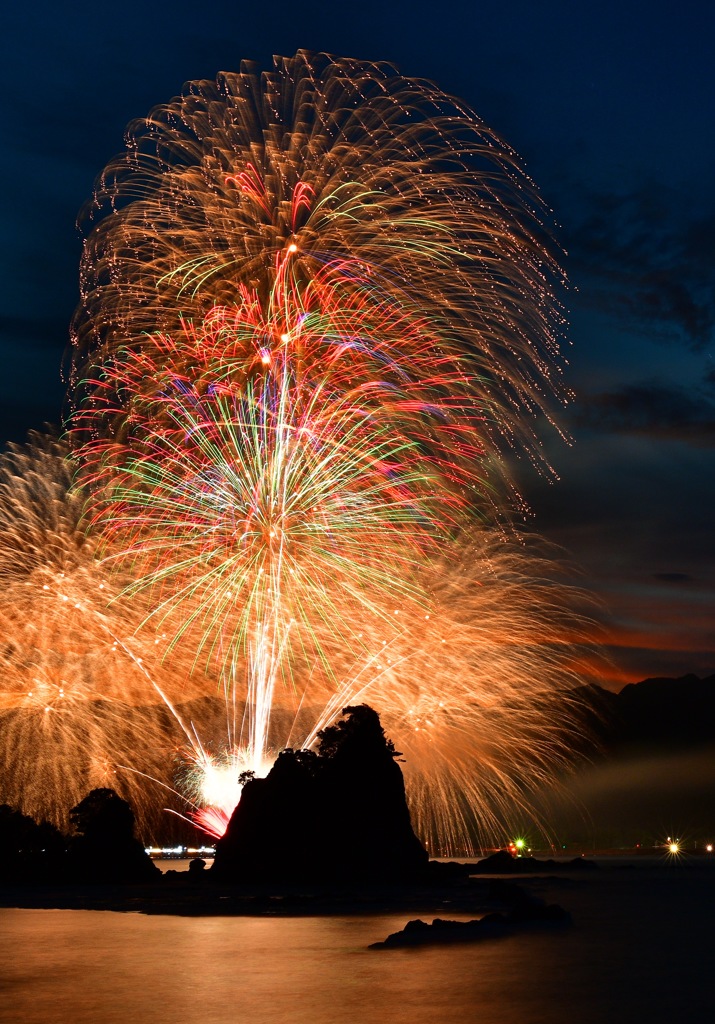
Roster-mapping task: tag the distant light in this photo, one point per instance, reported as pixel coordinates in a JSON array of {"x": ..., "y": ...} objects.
[
  {"x": 520, "y": 844},
  {"x": 292, "y": 247},
  {"x": 674, "y": 848},
  {"x": 709, "y": 848}
]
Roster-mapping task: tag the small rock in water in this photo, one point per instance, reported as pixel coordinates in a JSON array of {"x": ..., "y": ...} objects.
[{"x": 420, "y": 933}]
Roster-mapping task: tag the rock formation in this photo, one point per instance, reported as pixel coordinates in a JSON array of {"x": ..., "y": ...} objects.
[
  {"x": 335, "y": 815},
  {"x": 104, "y": 848}
]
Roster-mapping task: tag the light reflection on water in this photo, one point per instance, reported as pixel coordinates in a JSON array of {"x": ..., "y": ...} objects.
[{"x": 640, "y": 948}]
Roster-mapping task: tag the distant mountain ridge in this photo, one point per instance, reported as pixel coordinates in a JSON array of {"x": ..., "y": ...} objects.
[{"x": 661, "y": 712}]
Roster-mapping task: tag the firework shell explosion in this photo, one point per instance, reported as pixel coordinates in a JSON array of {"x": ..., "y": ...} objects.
[
  {"x": 338, "y": 188},
  {"x": 75, "y": 700},
  {"x": 318, "y": 307}
]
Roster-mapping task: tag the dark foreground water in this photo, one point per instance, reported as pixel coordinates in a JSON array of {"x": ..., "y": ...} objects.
[{"x": 642, "y": 949}]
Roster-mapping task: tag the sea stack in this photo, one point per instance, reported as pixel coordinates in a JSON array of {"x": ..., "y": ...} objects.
[{"x": 335, "y": 815}]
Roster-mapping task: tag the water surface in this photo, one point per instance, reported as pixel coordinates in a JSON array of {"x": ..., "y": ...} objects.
[{"x": 641, "y": 947}]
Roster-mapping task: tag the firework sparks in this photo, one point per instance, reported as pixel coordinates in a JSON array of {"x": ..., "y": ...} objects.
[
  {"x": 317, "y": 307},
  {"x": 479, "y": 688},
  {"x": 327, "y": 176},
  {"x": 75, "y": 703}
]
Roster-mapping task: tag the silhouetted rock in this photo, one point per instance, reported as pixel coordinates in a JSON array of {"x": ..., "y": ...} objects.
[
  {"x": 197, "y": 868},
  {"x": 655, "y": 715},
  {"x": 336, "y": 815},
  {"x": 492, "y": 926},
  {"x": 30, "y": 852},
  {"x": 505, "y": 863},
  {"x": 449, "y": 872},
  {"x": 104, "y": 849},
  {"x": 421, "y": 933},
  {"x": 524, "y": 910}
]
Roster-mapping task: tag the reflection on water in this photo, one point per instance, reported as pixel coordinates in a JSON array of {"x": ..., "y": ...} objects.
[{"x": 640, "y": 948}]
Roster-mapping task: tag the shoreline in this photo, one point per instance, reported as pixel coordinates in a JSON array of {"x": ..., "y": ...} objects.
[
  {"x": 181, "y": 897},
  {"x": 469, "y": 894}
]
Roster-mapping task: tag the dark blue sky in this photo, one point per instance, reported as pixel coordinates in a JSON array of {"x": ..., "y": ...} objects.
[{"x": 612, "y": 107}]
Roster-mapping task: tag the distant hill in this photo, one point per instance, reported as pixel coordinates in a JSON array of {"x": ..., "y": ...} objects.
[
  {"x": 648, "y": 770},
  {"x": 660, "y": 713}
]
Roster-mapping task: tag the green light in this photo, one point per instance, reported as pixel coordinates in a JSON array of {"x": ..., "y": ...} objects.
[{"x": 520, "y": 843}]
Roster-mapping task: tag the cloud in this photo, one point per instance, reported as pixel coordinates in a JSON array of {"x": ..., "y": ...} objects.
[
  {"x": 644, "y": 259},
  {"x": 653, "y": 409}
]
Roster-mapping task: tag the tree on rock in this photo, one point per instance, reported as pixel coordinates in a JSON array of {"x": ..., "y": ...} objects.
[{"x": 360, "y": 732}]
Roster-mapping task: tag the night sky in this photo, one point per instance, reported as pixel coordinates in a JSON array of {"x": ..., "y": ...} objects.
[{"x": 611, "y": 107}]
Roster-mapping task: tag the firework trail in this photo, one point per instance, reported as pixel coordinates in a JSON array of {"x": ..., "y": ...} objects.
[{"x": 317, "y": 307}]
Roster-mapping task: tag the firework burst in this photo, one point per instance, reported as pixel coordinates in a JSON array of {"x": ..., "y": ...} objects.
[
  {"x": 76, "y": 697},
  {"x": 317, "y": 306},
  {"x": 338, "y": 176}
]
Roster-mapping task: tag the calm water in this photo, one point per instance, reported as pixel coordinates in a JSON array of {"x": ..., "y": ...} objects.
[{"x": 641, "y": 949}]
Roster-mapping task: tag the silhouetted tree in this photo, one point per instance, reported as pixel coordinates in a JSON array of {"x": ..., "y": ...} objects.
[
  {"x": 359, "y": 731},
  {"x": 104, "y": 849},
  {"x": 103, "y": 816},
  {"x": 30, "y": 851}
]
